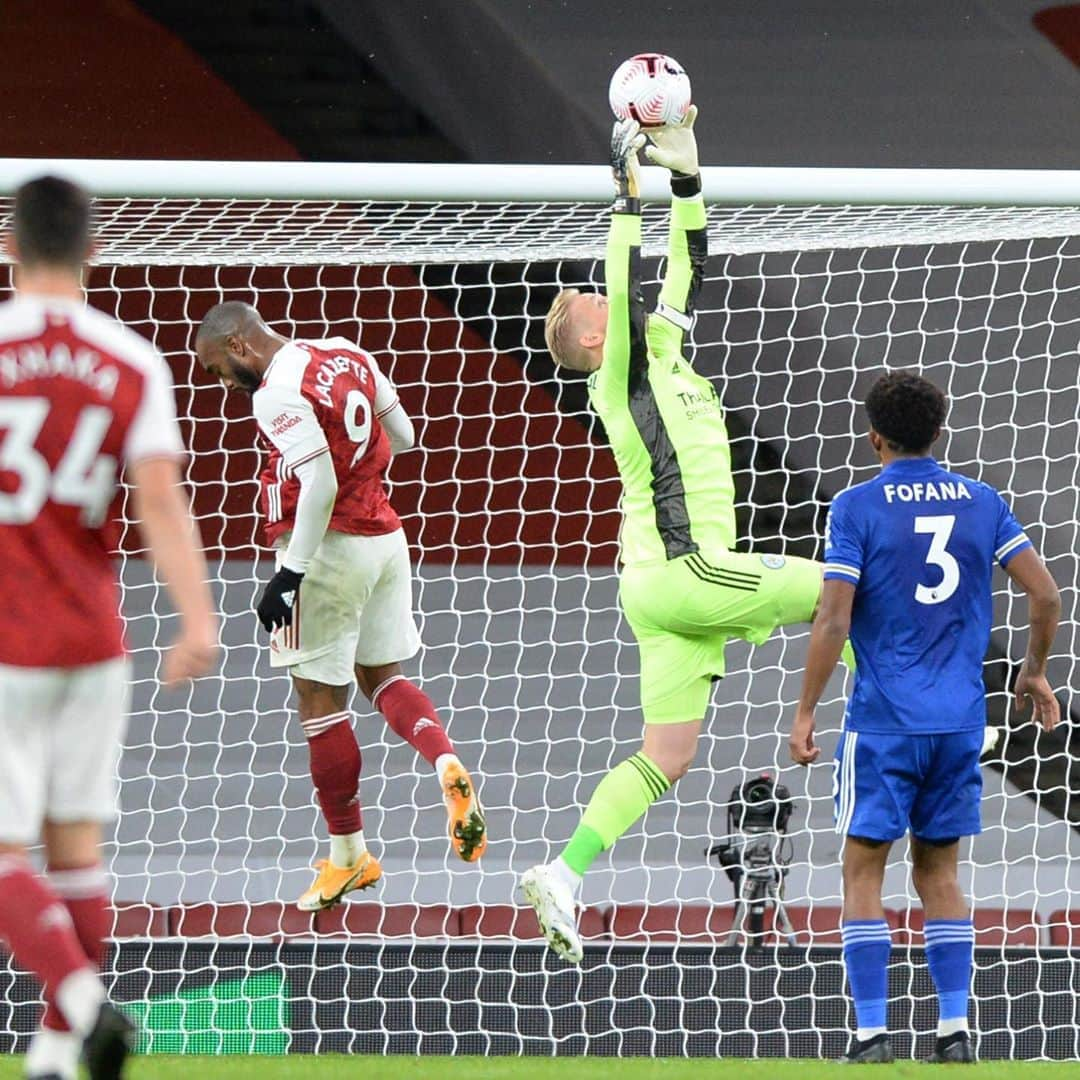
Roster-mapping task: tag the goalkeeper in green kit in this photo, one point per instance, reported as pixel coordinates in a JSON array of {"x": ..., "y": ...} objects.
[{"x": 683, "y": 589}]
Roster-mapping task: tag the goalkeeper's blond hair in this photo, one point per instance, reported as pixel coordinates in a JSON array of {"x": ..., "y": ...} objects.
[{"x": 559, "y": 328}]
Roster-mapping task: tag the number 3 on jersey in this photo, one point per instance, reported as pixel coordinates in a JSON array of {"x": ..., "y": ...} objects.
[
  {"x": 940, "y": 527},
  {"x": 84, "y": 477}
]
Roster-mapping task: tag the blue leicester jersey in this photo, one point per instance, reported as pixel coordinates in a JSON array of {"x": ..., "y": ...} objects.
[{"x": 919, "y": 544}]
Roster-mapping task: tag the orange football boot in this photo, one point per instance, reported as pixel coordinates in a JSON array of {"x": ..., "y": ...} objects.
[
  {"x": 333, "y": 882},
  {"x": 468, "y": 830}
]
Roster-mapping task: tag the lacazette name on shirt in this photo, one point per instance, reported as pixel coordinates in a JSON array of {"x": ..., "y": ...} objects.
[{"x": 333, "y": 367}]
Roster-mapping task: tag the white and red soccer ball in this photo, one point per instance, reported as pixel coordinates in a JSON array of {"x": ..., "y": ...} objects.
[{"x": 650, "y": 88}]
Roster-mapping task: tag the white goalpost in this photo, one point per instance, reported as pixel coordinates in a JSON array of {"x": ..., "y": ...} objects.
[{"x": 818, "y": 280}]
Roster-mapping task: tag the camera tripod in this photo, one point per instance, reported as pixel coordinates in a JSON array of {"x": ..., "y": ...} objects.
[
  {"x": 752, "y": 855},
  {"x": 759, "y": 889}
]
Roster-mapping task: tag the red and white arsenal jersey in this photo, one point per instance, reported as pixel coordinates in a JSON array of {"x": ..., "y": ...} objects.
[
  {"x": 319, "y": 396},
  {"x": 80, "y": 396}
]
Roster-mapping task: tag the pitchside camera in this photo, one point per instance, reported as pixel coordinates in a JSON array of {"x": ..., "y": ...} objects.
[
  {"x": 753, "y": 854},
  {"x": 759, "y": 804}
]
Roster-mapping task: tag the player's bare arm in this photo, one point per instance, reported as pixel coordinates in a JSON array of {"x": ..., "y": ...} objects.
[
  {"x": 908, "y": 564},
  {"x": 827, "y": 637},
  {"x": 1044, "y": 610},
  {"x": 166, "y": 525}
]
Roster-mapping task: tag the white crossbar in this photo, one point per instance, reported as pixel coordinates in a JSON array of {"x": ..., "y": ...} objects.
[{"x": 293, "y": 180}]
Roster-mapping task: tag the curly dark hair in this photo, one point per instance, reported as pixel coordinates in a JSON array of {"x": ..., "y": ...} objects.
[{"x": 906, "y": 410}]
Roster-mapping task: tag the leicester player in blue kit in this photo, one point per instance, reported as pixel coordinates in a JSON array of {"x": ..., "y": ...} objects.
[{"x": 908, "y": 563}]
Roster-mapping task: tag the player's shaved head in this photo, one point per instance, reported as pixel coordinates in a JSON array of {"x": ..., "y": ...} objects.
[
  {"x": 907, "y": 411},
  {"x": 235, "y": 345},
  {"x": 233, "y": 318},
  {"x": 52, "y": 223}
]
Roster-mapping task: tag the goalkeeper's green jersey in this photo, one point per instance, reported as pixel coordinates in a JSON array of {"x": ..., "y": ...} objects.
[{"x": 664, "y": 421}]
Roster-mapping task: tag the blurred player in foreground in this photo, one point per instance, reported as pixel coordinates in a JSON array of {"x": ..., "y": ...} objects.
[
  {"x": 683, "y": 589},
  {"x": 340, "y": 605},
  {"x": 80, "y": 398},
  {"x": 908, "y": 561}
]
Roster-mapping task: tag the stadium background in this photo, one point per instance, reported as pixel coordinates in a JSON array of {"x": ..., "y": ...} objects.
[{"x": 217, "y": 806}]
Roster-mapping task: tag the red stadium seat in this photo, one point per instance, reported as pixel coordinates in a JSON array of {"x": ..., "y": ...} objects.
[
  {"x": 270, "y": 920},
  {"x": 818, "y": 924},
  {"x": 1065, "y": 929},
  {"x": 690, "y": 923},
  {"x": 994, "y": 927},
  {"x": 388, "y": 921},
  {"x": 139, "y": 921},
  {"x": 519, "y": 923}
]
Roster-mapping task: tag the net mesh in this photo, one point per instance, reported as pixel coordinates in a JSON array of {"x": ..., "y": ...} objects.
[
  {"x": 510, "y": 503},
  {"x": 200, "y": 232}
]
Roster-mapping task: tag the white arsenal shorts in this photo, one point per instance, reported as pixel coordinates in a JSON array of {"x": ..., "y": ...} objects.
[
  {"x": 354, "y": 607},
  {"x": 61, "y": 731}
]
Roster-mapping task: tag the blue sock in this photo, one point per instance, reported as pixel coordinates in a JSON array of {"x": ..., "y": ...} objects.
[
  {"x": 949, "y": 947},
  {"x": 866, "y": 958}
]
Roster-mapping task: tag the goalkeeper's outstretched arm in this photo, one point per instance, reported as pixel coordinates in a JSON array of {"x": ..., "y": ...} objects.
[
  {"x": 625, "y": 351},
  {"x": 688, "y": 245}
]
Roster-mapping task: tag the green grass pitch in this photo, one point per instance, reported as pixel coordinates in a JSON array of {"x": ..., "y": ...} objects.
[{"x": 335, "y": 1067}]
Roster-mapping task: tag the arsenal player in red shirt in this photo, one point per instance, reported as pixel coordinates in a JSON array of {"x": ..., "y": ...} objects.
[
  {"x": 81, "y": 397},
  {"x": 339, "y": 607}
]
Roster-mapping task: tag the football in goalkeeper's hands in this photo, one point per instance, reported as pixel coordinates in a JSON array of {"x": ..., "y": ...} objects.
[{"x": 650, "y": 88}]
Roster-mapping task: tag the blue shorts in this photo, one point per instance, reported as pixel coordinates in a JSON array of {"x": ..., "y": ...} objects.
[{"x": 884, "y": 785}]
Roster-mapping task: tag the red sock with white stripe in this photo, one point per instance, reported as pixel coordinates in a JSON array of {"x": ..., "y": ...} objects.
[
  {"x": 40, "y": 936},
  {"x": 82, "y": 889},
  {"x": 335, "y": 771},
  {"x": 410, "y": 713}
]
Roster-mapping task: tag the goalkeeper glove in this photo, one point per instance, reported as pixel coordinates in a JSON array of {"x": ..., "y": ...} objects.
[
  {"x": 276, "y": 603},
  {"x": 626, "y": 140},
  {"x": 675, "y": 147}
]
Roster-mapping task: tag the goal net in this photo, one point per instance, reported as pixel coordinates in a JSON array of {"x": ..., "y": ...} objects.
[{"x": 510, "y": 502}]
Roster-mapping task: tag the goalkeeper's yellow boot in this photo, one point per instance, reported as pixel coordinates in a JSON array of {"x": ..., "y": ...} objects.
[
  {"x": 333, "y": 882},
  {"x": 468, "y": 830}
]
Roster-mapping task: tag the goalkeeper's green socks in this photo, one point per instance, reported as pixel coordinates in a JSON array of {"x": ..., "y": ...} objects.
[{"x": 618, "y": 801}]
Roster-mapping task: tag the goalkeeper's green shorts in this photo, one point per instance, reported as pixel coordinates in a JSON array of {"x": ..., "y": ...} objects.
[{"x": 684, "y": 611}]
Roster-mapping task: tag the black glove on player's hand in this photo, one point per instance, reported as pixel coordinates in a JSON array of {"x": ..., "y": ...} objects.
[{"x": 275, "y": 606}]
